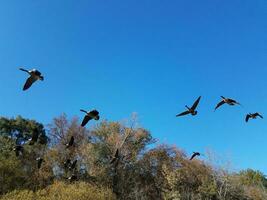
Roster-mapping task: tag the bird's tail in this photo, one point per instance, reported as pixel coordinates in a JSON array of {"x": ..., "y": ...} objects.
[{"x": 41, "y": 78}]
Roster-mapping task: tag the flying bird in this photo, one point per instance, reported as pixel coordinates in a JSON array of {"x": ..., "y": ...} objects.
[
  {"x": 18, "y": 150},
  {"x": 34, "y": 138},
  {"x": 194, "y": 155},
  {"x": 94, "y": 114},
  {"x": 73, "y": 177},
  {"x": 191, "y": 110},
  {"x": 34, "y": 76},
  {"x": 115, "y": 157},
  {"x": 70, "y": 143},
  {"x": 228, "y": 101},
  {"x": 39, "y": 162},
  {"x": 253, "y": 116},
  {"x": 73, "y": 165}
]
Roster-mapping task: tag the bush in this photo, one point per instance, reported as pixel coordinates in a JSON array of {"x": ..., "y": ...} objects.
[{"x": 63, "y": 191}]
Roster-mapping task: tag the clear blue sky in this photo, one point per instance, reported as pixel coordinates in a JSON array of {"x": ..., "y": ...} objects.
[{"x": 147, "y": 56}]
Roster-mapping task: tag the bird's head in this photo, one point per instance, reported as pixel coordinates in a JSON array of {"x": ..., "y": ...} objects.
[{"x": 41, "y": 78}]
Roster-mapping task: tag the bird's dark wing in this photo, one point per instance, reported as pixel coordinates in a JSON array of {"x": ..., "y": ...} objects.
[
  {"x": 247, "y": 118},
  {"x": 86, "y": 119},
  {"x": 183, "y": 113},
  {"x": 115, "y": 157},
  {"x": 193, "y": 156},
  {"x": 117, "y": 153},
  {"x": 234, "y": 101},
  {"x": 34, "y": 138},
  {"x": 73, "y": 164},
  {"x": 67, "y": 163},
  {"x": 196, "y": 103},
  {"x": 219, "y": 104},
  {"x": 113, "y": 160},
  {"x": 258, "y": 114},
  {"x": 40, "y": 161},
  {"x": 71, "y": 141},
  {"x": 29, "y": 82}
]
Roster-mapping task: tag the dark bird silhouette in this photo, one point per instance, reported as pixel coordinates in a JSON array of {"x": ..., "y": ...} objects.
[
  {"x": 73, "y": 165},
  {"x": 115, "y": 157},
  {"x": 34, "y": 76},
  {"x": 39, "y": 162},
  {"x": 228, "y": 101},
  {"x": 35, "y": 136},
  {"x": 70, "y": 143},
  {"x": 191, "y": 110},
  {"x": 73, "y": 177},
  {"x": 253, "y": 116},
  {"x": 194, "y": 155},
  {"x": 67, "y": 163},
  {"x": 94, "y": 114},
  {"x": 18, "y": 150}
]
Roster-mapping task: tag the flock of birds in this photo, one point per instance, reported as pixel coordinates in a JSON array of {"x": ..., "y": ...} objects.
[
  {"x": 35, "y": 75},
  {"x": 224, "y": 100}
]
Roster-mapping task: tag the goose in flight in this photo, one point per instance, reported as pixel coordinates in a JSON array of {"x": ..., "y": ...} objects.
[
  {"x": 67, "y": 163},
  {"x": 94, "y": 114},
  {"x": 194, "y": 155},
  {"x": 253, "y": 116},
  {"x": 70, "y": 143},
  {"x": 34, "y": 138},
  {"x": 73, "y": 165},
  {"x": 39, "y": 162},
  {"x": 191, "y": 110},
  {"x": 115, "y": 157},
  {"x": 73, "y": 177},
  {"x": 34, "y": 76},
  {"x": 18, "y": 150},
  {"x": 228, "y": 101}
]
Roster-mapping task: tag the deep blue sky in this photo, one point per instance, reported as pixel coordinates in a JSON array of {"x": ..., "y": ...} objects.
[{"x": 147, "y": 56}]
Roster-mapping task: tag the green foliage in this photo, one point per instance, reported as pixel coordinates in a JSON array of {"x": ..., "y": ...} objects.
[
  {"x": 63, "y": 191},
  {"x": 19, "y": 172},
  {"x": 250, "y": 177},
  {"x": 21, "y": 129}
]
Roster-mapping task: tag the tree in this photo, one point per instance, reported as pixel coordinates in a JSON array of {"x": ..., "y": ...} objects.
[{"x": 18, "y": 171}]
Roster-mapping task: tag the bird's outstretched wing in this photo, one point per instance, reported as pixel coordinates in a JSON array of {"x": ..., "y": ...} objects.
[
  {"x": 196, "y": 103},
  {"x": 258, "y": 114},
  {"x": 247, "y": 118},
  {"x": 71, "y": 140},
  {"x": 234, "y": 102},
  {"x": 219, "y": 104},
  {"x": 39, "y": 162},
  {"x": 73, "y": 165},
  {"x": 113, "y": 160},
  {"x": 86, "y": 119},
  {"x": 115, "y": 157},
  {"x": 70, "y": 143},
  {"x": 194, "y": 155},
  {"x": 34, "y": 138},
  {"x": 29, "y": 82},
  {"x": 183, "y": 113}
]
